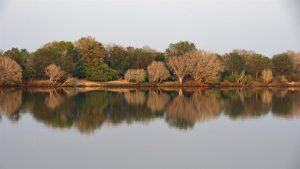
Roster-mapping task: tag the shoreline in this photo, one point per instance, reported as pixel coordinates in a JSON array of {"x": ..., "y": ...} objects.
[{"x": 92, "y": 84}]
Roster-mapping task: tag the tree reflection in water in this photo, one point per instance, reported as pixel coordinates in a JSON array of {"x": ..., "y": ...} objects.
[{"x": 182, "y": 109}]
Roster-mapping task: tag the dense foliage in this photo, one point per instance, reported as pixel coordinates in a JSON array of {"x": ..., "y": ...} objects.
[{"x": 89, "y": 59}]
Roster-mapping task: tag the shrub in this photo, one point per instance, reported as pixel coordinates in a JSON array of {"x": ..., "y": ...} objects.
[
  {"x": 135, "y": 75},
  {"x": 213, "y": 80},
  {"x": 97, "y": 71},
  {"x": 239, "y": 78},
  {"x": 10, "y": 71}
]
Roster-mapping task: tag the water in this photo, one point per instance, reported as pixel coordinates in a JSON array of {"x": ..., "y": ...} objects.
[{"x": 166, "y": 128}]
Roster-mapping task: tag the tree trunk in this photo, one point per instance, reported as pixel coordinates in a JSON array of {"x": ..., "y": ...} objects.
[{"x": 180, "y": 80}]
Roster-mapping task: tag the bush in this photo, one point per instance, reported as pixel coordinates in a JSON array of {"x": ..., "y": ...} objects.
[
  {"x": 240, "y": 78},
  {"x": 232, "y": 78},
  {"x": 135, "y": 75},
  {"x": 213, "y": 80},
  {"x": 96, "y": 71},
  {"x": 10, "y": 71}
]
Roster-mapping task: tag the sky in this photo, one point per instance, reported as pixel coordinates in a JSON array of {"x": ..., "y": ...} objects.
[{"x": 265, "y": 26}]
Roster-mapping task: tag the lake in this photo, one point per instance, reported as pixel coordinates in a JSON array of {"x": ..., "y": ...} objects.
[{"x": 150, "y": 128}]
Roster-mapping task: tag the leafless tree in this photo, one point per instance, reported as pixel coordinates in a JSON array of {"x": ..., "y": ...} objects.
[
  {"x": 267, "y": 75},
  {"x": 55, "y": 73},
  {"x": 10, "y": 71},
  {"x": 157, "y": 72},
  {"x": 135, "y": 75},
  {"x": 203, "y": 65},
  {"x": 179, "y": 65}
]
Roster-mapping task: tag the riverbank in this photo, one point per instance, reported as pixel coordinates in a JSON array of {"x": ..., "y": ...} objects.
[{"x": 125, "y": 84}]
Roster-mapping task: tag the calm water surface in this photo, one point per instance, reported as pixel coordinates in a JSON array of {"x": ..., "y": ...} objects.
[{"x": 150, "y": 129}]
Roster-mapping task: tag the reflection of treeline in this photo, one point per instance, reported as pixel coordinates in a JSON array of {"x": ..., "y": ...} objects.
[{"x": 90, "y": 110}]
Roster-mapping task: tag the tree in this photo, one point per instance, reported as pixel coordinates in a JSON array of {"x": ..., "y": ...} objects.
[
  {"x": 10, "y": 72},
  {"x": 256, "y": 63},
  {"x": 179, "y": 48},
  {"x": 203, "y": 65},
  {"x": 95, "y": 71},
  {"x": 139, "y": 58},
  {"x": 55, "y": 73},
  {"x": 22, "y": 58},
  {"x": 117, "y": 58},
  {"x": 58, "y": 53},
  {"x": 179, "y": 65},
  {"x": 267, "y": 75},
  {"x": 234, "y": 62},
  {"x": 89, "y": 50},
  {"x": 135, "y": 75},
  {"x": 282, "y": 64},
  {"x": 157, "y": 72}
]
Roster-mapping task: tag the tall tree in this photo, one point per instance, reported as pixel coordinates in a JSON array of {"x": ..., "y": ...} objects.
[
  {"x": 117, "y": 58},
  {"x": 58, "y": 53},
  {"x": 89, "y": 50},
  {"x": 179, "y": 48}
]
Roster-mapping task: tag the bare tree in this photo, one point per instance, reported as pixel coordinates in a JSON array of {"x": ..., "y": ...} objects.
[
  {"x": 179, "y": 65},
  {"x": 55, "y": 73},
  {"x": 157, "y": 72},
  {"x": 135, "y": 75},
  {"x": 267, "y": 75},
  {"x": 203, "y": 65},
  {"x": 10, "y": 71}
]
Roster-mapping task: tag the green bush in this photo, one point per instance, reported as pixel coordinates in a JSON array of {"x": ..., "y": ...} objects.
[
  {"x": 95, "y": 71},
  {"x": 213, "y": 80},
  {"x": 232, "y": 78}
]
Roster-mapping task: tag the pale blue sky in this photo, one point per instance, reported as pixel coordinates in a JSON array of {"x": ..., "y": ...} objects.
[{"x": 266, "y": 26}]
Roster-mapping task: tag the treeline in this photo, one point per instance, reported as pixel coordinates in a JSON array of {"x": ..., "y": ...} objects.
[{"x": 89, "y": 59}]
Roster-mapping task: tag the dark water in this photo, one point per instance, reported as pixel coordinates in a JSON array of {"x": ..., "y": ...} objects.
[{"x": 153, "y": 129}]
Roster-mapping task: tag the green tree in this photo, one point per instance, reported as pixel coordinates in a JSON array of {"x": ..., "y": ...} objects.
[
  {"x": 58, "y": 53},
  {"x": 117, "y": 58},
  {"x": 179, "y": 48},
  {"x": 282, "y": 64},
  {"x": 256, "y": 63},
  {"x": 21, "y": 57},
  {"x": 139, "y": 58},
  {"x": 234, "y": 62},
  {"x": 89, "y": 50}
]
